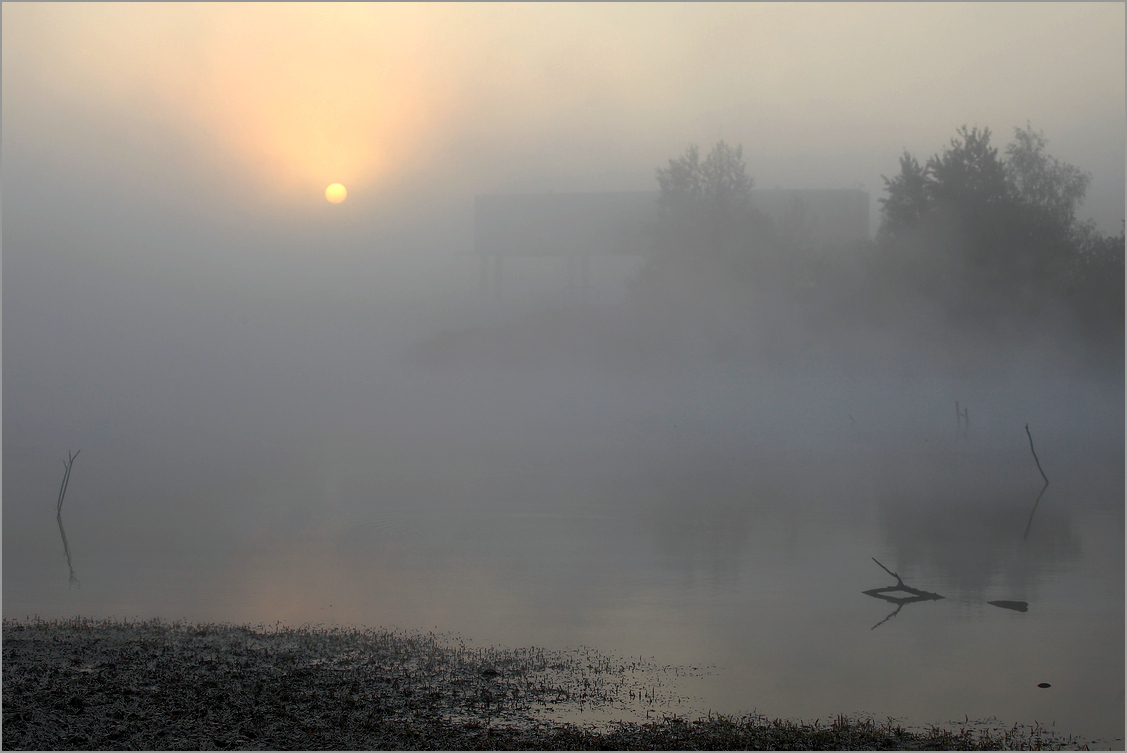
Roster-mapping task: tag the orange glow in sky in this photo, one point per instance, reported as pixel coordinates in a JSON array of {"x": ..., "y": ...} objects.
[
  {"x": 299, "y": 95},
  {"x": 346, "y": 104},
  {"x": 283, "y": 99}
]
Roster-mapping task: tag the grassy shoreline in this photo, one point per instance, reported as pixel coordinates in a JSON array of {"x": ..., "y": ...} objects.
[{"x": 90, "y": 684}]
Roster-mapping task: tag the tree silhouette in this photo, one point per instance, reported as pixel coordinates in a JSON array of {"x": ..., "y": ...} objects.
[
  {"x": 968, "y": 176},
  {"x": 908, "y": 200},
  {"x": 990, "y": 236},
  {"x": 1051, "y": 190},
  {"x": 706, "y": 221}
]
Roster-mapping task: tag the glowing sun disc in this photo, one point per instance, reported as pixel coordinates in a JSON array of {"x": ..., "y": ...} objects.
[{"x": 336, "y": 193}]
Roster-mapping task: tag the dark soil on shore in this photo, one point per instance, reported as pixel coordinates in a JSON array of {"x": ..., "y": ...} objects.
[{"x": 103, "y": 685}]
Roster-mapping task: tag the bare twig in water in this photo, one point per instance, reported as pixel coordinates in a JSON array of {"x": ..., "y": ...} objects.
[
  {"x": 66, "y": 479},
  {"x": 66, "y": 551},
  {"x": 891, "y": 614},
  {"x": 1035, "y": 460},
  {"x": 59, "y": 512},
  {"x": 962, "y": 421},
  {"x": 1031, "y": 512},
  {"x": 886, "y": 594},
  {"x": 894, "y": 575},
  {"x": 1043, "y": 488}
]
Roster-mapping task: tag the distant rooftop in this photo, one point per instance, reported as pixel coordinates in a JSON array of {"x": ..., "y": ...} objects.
[{"x": 620, "y": 222}]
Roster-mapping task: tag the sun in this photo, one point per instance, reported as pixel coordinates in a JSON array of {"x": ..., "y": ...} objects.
[{"x": 336, "y": 193}]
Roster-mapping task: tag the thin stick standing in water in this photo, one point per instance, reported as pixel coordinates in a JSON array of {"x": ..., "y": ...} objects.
[
  {"x": 1029, "y": 524},
  {"x": 66, "y": 480},
  {"x": 1035, "y": 460},
  {"x": 59, "y": 513},
  {"x": 962, "y": 422}
]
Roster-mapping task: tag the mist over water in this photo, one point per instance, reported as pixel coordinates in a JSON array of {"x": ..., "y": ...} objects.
[
  {"x": 690, "y": 445},
  {"x": 247, "y": 461}
]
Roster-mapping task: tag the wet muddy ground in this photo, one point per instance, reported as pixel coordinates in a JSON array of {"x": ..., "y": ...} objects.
[{"x": 84, "y": 684}]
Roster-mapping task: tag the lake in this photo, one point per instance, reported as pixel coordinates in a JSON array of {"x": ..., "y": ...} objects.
[{"x": 722, "y": 521}]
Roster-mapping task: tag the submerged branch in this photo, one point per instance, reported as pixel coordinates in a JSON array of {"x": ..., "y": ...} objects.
[
  {"x": 66, "y": 550},
  {"x": 1035, "y": 460},
  {"x": 885, "y": 594},
  {"x": 891, "y": 614},
  {"x": 1029, "y": 524}
]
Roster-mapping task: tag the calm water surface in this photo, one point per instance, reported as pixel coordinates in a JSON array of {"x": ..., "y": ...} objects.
[{"x": 698, "y": 520}]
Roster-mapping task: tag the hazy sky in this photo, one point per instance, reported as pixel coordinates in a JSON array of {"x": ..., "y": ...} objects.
[
  {"x": 226, "y": 348},
  {"x": 235, "y": 114}
]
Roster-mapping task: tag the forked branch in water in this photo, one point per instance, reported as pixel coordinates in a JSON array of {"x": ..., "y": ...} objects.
[{"x": 886, "y": 594}]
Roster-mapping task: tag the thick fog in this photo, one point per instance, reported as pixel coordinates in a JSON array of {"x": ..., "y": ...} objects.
[{"x": 279, "y": 400}]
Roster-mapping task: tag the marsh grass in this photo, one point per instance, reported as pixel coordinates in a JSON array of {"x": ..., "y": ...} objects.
[{"x": 84, "y": 684}]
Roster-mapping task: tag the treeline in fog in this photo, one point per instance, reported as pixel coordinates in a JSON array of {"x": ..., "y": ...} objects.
[{"x": 978, "y": 247}]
